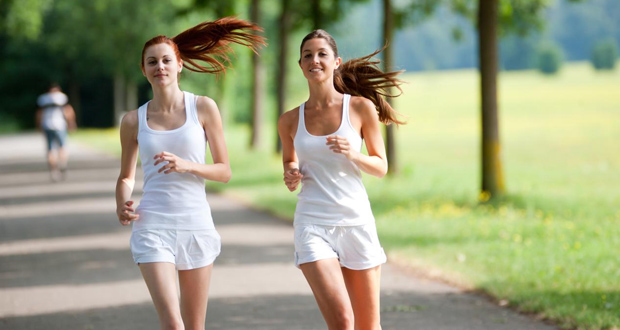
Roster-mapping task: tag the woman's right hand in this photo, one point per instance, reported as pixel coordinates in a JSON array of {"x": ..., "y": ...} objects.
[
  {"x": 126, "y": 214},
  {"x": 292, "y": 178}
]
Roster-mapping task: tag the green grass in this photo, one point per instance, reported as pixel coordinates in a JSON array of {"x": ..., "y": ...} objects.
[
  {"x": 549, "y": 247},
  {"x": 8, "y": 124}
]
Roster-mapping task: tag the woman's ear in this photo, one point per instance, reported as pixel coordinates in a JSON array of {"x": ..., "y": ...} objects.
[{"x": 338, "y": 62}]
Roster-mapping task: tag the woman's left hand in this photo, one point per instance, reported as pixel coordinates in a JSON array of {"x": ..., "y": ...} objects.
[
  {"x": 340, "y": 145},
  {"x": 175, "y": 163}
]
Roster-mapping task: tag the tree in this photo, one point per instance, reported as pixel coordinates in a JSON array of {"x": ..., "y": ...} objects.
[
  {"x": 388, "y": 59},
  {"x": 102, "y": 49},
  {"x": 492, "y": 175},
  {"x": 258, "y": 90},
  {"x": 493, "y": 18},
  {"x": 549, "y": 58},
  {"x": 605, "y": 54}
]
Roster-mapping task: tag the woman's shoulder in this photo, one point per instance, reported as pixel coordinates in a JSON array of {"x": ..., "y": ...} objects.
[
  {"x": 291, "y": 115},
  {"x": 130, "y": 119},
  {"x": 289, "y": 118},
  {"x": 130, "y": 123},
  {"x": 205, "y": 103},
  {"x": 206, "y": 109},
  {"x": 362, "y": 106}
]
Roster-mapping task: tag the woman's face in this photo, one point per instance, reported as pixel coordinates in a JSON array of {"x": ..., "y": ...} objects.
[
  {"x": 161, "y": 66},
  {"x": 318, "y": 60}
]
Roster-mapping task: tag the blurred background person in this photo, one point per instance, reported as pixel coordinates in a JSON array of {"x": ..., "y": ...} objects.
[{"x": 55, "y": 117}]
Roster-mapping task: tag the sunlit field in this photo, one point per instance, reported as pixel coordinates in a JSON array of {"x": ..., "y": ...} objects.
[{"x": 550, "y": 247}]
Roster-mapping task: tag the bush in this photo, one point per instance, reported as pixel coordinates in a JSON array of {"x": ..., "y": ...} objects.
[
  {"x": 549, "y": 58},
  {"x": 605, "y": 54}
]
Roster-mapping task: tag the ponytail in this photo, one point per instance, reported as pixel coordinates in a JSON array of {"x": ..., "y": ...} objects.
[
  {"x": 208, "y": 42},
  {"x": 363, "y": 77}
]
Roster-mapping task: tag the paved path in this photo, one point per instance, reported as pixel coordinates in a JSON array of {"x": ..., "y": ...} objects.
[{"x": 65, "y": 262}]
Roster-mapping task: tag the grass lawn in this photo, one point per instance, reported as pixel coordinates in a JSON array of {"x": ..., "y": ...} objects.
[{"x": 549, "y": 247}]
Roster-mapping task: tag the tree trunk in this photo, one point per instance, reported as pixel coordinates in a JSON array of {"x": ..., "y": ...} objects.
[
  {"x": 285, "y": 27},
  {"x": 492, "y": 176},
  {"x": 119, "y": 98},
  {"x": 258, "y": 90},
  {"x": 74, "y": 99},
  {"x": 388, "y": 60},
  {"x": 131, "y": 95},
  {"x": 317, "y": 21}
]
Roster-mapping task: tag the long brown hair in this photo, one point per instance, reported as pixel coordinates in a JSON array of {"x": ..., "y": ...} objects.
[
  {"x": 208, "y": 42},
  {"x": 363, "y": 77}
]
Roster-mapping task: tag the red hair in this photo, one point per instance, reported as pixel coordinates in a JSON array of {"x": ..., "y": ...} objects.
[{"x": 208, "y": 41}]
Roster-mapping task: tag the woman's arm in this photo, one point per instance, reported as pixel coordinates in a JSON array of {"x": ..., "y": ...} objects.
[
  {"x": 292, "y": 175},
  {"x": 126, "y": 178},
  {"x": 364, "y": 115},
  {"x": 209, "y": 117}
]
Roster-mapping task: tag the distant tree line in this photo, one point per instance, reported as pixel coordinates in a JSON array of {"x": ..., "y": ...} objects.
[{"x": 447, "y": 40}]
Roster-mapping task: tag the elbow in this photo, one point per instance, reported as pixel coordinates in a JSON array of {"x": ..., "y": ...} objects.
[
  {"x": 226, "y": 176},
  {"x": 382, "y": 171}
]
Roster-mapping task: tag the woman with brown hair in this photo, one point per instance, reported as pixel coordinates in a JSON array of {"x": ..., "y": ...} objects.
[
  {"x": 336, "y": 242},
  {"x": 173, "y": 232}
]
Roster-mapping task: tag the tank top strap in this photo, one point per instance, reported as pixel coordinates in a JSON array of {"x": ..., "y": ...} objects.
[
  {"x": 301, "y": 123},
  {"x": 191, "y": 109},
  {"x": 345, "y": 110}
]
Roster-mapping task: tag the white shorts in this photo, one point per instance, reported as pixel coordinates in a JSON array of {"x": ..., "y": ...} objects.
[
  {"x": 187, "y": 249},
  {"x": 356, "y": 247}
]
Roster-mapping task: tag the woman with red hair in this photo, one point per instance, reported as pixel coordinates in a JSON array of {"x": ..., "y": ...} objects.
[{"x": 173, "y": 233}]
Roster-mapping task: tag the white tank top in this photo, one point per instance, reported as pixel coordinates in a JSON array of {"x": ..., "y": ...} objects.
[
  {"x": 332, "y": 191},
  {"x": 175, "y": 200},
  {"x": 53, "y": 117}
]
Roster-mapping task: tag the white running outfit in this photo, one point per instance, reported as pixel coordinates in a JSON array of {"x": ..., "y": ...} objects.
[
  {"x": 333, "y": 218},
  {"x": 175, "y": 216}
]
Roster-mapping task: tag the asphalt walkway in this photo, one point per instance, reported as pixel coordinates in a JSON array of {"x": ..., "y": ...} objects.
[{"x": 65, "y": 262}]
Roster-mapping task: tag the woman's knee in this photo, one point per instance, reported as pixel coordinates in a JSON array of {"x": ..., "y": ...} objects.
[
  {"x": 172, "y": 323},
  {"x": 368, "y": 326},
  {"x": 343, "y": 320}
]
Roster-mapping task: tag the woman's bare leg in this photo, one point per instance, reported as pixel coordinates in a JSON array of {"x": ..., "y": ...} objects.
[
  {"x": 364, "y": 290},
  {"x": 161, "y": 280},
  {"x": 327, "y": 284},
  {"x": 194, "y": 286}
]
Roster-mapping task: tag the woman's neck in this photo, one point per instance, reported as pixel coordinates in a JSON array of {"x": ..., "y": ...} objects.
[
  {"x": 323, "y": 94},
  {"x": 167, "y": 98}
]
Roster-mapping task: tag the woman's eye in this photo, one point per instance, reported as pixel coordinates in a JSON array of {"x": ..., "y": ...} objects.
[
  {"x": 307, "y": 56},
  {"x": 151, "y": 62}
]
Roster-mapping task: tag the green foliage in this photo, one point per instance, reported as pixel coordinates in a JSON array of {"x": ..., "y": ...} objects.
[
  {"x": 549, "y": 58},
  {"x": 605, "y": 54},
  {"x": 8, "y": 124},
  {"x": 517, "y": 53},
  {"x": 24, "y": 18}
]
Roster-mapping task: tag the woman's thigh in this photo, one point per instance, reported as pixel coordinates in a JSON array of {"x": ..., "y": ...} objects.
[
  {"x": 194, "y": 285},
  {"x": 160, "y": 278},
  {"x": 363, "y": 287},
  {"x": 327, "y": 283}
]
